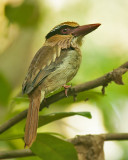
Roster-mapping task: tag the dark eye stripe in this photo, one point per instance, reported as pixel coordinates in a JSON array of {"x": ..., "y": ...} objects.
[{"x": 56, "y": 30}]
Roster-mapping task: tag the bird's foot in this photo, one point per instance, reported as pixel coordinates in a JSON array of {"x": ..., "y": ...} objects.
[{"x": 66, "y": 89}]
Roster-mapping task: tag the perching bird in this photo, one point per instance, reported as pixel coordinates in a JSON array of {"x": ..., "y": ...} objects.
[{"x": 54, "y": 64}]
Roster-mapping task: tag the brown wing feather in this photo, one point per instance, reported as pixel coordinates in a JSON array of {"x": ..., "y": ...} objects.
[{"x": 36, "y": 72}]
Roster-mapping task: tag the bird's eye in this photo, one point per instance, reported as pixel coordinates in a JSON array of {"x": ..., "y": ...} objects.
[{"x": 64, "y": 31}]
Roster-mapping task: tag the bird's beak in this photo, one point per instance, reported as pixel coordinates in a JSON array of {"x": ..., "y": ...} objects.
[{"x": 85, "y": 29}]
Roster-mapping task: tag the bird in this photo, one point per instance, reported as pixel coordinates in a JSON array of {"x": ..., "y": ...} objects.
[{"x": 53, "y": 66}]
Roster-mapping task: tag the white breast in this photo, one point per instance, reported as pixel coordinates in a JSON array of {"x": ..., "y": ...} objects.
[{"x": 64, "y": 73}]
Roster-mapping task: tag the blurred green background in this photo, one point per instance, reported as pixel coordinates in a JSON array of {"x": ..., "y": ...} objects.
[{"x": 24, "y": 24}]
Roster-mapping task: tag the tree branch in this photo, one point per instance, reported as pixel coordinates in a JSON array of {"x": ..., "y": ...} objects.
[
  {"x": 16, "y": 154},
  {"x": 77, "y": 141},
  {"x": 115, "y": 75},
  {"x": 115, "y": 136}
]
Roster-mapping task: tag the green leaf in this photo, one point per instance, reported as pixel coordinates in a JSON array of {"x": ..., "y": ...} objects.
[
  {"x": 17, "y": 133},
  {"x": 55, "y": 134},
  {"x": 48, "y": 147},
  {"x": 5, "y": 137},
  {"x": 43, "y": 120}
]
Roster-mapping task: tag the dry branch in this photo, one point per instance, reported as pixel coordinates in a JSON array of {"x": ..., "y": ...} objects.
[{"x": 115, "y": 75}]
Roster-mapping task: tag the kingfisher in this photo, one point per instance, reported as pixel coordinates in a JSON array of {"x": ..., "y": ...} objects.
[{"x": 53, "y": 66}]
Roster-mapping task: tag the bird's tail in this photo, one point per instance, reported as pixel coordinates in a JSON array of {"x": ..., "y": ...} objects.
[{"x": 32, "y": 118}]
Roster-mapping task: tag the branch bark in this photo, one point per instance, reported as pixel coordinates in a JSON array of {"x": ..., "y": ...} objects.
[
  {"x": 16, "y": 154},
  {"x": 86, "y": 145},
  {"x": 115, "y": 75}
]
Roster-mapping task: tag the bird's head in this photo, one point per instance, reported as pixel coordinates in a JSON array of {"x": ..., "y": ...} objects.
[{"x": 69, "y": 34}]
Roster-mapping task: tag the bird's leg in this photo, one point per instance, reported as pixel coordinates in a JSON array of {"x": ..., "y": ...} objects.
[{"x": 66, "y": 89}]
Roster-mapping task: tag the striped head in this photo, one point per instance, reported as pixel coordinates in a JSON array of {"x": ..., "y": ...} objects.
[
  {"x": 68, "y": 32},
  {"x": 62, "y": 29}
]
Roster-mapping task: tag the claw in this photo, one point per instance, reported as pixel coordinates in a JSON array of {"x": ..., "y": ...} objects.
[{"x": 66, "y": 89}]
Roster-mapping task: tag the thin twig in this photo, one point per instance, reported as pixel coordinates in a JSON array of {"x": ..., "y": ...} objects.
[
  {"x": 115, "y": 136},
  {"x": 115, "y": 76}
]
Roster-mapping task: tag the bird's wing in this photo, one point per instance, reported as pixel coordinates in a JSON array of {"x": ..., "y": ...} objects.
[{"x": 41, "y": 66}]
